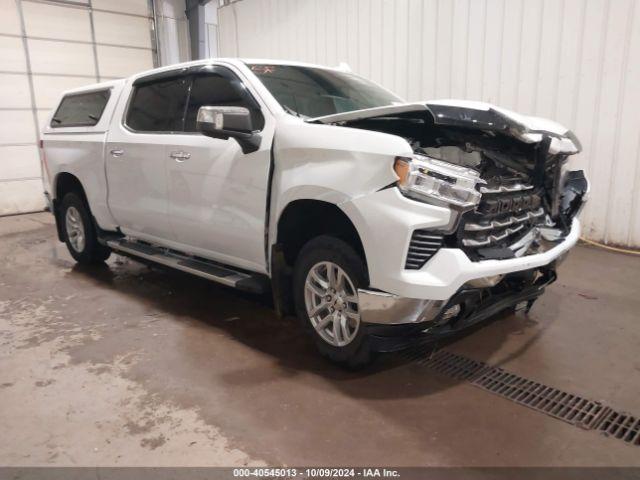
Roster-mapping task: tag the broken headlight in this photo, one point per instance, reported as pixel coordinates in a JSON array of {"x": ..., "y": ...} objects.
[
  {"x": 574, "y": 194},
  {"x": 434, "y": 181}
]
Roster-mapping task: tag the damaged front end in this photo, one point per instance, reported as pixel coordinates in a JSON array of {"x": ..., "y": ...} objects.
[
  {"x": 503, "y": 174},
  {"x": 505, "y": 179}
]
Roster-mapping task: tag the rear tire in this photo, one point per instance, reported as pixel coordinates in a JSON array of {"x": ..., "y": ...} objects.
[
  {"x": 326, "y": 278},
  {"x": 80, "y": 232}
]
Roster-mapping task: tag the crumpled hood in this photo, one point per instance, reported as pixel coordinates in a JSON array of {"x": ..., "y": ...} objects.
[{"x": 476, "y": 115}]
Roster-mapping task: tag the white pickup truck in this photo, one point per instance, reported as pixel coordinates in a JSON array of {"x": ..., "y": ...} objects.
[{"x": 376, "y": 221}]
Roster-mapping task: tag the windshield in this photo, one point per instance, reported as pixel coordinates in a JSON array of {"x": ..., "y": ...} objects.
[{"x": 314, "y": 92}]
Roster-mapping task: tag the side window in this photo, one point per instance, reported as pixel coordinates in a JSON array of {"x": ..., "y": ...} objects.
[
  {"x": 216, "y": 90},
  {"x": 80, "y": 109},
  {"x": 158, "y": 106}
]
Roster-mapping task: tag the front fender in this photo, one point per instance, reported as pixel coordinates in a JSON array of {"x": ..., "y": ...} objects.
[{"x": 330, "y": 163}]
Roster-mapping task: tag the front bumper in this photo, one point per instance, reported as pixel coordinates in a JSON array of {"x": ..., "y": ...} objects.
[
  {"x": 476, "y": 307},
  {"x": 427, "y": 292}
]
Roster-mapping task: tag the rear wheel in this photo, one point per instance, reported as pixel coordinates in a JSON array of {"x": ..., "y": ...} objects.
[
  {"x": 327, "y": 275},
  {"x": 79, "y": 231}
]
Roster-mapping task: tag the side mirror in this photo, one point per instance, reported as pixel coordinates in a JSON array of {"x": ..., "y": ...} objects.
[{"x": 229, "y": 122}]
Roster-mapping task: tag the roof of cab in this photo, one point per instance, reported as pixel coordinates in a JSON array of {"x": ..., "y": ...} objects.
[
  {"x": 207, "y": 61},
  {"x": 232, "y": 61}
]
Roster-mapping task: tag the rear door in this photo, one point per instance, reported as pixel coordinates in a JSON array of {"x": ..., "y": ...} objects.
[{"x": 136, "y": 152}]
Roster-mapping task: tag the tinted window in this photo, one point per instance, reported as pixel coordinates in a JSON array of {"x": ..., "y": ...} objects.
[
  {"x": 158, "y": 106},
  {"x": 81, "y": 109},
  {"x": 216, "y": 90},
  {"x": 314, "y": 92}
]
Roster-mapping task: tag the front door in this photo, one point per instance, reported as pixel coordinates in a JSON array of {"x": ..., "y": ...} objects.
[{"x": 217, "y": 194}]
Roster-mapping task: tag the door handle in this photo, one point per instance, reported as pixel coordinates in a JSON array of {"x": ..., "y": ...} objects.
[
  {"x": 180, "y": 156},
  {"x": 117, "y": 152}
]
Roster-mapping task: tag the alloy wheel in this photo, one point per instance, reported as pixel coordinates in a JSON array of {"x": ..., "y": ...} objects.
[
  {"x": 75, "y": 229},
  {"x": 331, "y": 301}
]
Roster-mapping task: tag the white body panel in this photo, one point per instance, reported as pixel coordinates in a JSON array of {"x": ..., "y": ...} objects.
[
  {"x": 217, "y": 199},
  {"x": 80, "y": 152},
  {"x": 329, "y": 163},
  {"x": 137, "y": 178}
]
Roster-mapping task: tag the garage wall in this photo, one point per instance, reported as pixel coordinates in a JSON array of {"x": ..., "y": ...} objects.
[
  {"x": 47, "y": 47},
  {"x": 576, "y": 61}
]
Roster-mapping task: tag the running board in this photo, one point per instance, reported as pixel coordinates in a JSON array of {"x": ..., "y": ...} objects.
[{"x": 200, "y": 267}]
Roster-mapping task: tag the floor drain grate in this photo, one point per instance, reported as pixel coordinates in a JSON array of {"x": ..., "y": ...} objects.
[
  {"x": 561, "y": 405},
  {"x": 573, "y": 409},
  {"x": 622, "y": 426},
  {"x": 455, "y": 366}
]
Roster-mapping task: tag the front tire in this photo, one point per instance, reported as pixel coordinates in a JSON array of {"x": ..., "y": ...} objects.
[
  {"x": 326, "y": 278},
  {"x": 79, "y": 231}
]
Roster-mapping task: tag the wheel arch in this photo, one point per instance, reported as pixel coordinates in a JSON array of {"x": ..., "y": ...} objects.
[
  {"x": 300, "y": 221},
  {"x": 64, "y": 183},
  {"x": 304, "y": 219}
]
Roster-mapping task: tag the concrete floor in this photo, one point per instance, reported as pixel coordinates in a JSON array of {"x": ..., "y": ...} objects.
[{"x": 125, "y": 365}]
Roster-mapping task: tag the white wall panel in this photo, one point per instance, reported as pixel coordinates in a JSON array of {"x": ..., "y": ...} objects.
[
  {"x": 12, "y": 55},
  {"x": 121, "y": 62},
  {"x": 14, "y": 91},
  {"x": 21, "y": 196},
  {"x": 16, "y": 126},
  {"x": 135, "y": 7},
  {"x": 64, "y": 59},
  {"x": 575, "y": 61},
  {"x": 9, "y": 20},
  {"x": 19, "y": 162},
  {"x": 122, "y": 29},
  {"x": 53, "y": 21}
]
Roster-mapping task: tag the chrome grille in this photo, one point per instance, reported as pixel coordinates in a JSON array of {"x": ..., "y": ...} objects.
[
  {"x": 503, "y": 216},
  {"x": 495, "y": 231},
  {"x": 424, "y": 245},
  {"x": 486, "y": 225}
]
